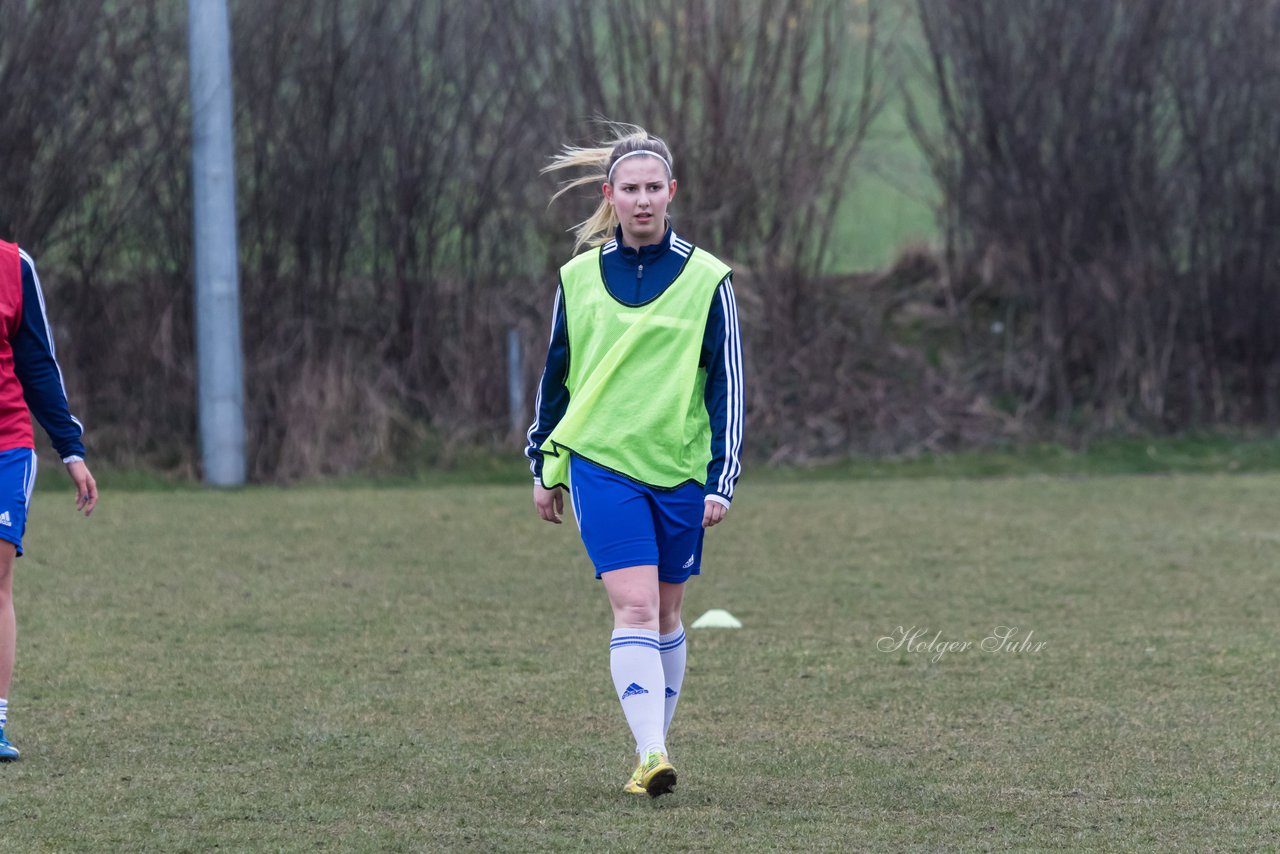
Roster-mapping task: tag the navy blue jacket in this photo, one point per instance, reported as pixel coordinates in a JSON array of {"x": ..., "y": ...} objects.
[
  {"x": 635, "y": 277},
  {"x": 36, "y": 365}
]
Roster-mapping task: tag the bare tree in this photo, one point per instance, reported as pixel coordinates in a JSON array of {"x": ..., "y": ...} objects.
[
  {"x": 1223, "y": 74},
  {"x": 1106, "y": 170},
  {"x": 393, "y": 222},
  {"x": 65, "y": 73}
]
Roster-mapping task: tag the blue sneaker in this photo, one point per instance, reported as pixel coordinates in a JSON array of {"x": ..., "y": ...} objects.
[{"x": 8, "y": 753}]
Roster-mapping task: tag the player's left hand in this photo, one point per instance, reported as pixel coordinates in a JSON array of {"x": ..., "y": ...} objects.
[
  {"x": 712, "y": 513},
  {"x": 86, "y": 486}
]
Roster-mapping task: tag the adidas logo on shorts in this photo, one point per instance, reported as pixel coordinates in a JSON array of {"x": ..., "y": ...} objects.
[
  {"x": 5, "y": 520},
  {"x": 688, "y": 563}
]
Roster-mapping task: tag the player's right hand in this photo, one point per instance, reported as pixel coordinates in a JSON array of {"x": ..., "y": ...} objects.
[
  {"x": 86, "y": 486},
  {"x": 550, "y": 502}
]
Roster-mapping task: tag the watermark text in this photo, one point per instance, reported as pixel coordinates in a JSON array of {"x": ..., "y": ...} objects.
[{"x": 924, "y": 641}]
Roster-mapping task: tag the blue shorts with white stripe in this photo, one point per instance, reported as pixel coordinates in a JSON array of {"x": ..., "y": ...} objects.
[
  {"x": 626, "y": 523},
  {"x": 17, "y": 480}
]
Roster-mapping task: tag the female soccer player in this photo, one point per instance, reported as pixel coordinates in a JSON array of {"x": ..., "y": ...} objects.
[
  {"x": 639, "y": 415},
  {"x": 30, "y": 384}
]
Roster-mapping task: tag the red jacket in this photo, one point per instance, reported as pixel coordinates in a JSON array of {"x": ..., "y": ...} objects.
[{"x": 15, "y": 418}]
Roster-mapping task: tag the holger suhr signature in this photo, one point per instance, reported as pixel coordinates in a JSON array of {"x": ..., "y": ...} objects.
[{"x": 915, "y": 639}]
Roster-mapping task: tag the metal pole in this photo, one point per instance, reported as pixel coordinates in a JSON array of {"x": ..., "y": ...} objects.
[
  {"x": 219, "y": 361},
  {"x": 515, "y": 381}
]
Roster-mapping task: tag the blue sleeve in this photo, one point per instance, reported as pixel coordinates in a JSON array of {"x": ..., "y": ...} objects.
[
  {"x": 36, "y": 364},
  {"x": 553, "y": 393},
  {"x": 722, "y": 357}
]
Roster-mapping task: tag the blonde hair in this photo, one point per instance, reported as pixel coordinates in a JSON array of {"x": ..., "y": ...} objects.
[{"x": 598, "y": 163}]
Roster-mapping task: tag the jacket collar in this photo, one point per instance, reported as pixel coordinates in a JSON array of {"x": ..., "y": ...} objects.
[{"x": 645, "y": 254}]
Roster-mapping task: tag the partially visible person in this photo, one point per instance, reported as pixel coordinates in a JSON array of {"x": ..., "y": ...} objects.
[{"x": 30, "y": 384}]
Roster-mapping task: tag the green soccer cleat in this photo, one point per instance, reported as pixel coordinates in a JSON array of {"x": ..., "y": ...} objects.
[
  {"x": 8, "y": 753},
  {"x": 657, "y": 774},
  {"x": 632, "y": 786}
]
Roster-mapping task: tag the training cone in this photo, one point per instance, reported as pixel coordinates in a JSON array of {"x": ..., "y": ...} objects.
[{"x": 717, "y": 618}]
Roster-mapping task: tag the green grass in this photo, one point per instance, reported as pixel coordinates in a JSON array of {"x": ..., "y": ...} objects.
[
  {"x": 1118, "y": 456},
  {"x": 893, "y": 199},
  {"x": 426, "y": 669},
  {"x": 504, "y": 466},
  {"x": 894, "y": 196},
  {"x": 1112, "y": 456}
]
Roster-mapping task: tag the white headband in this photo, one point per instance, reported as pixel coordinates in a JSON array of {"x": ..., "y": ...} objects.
[{"x": 609, "y": 177}]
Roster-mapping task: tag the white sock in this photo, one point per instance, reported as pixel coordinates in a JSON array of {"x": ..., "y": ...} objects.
[
  {"x": 672, "y": 647},
  {"x": 636, "y": 665},
  {"x": 4, "y": 712}
]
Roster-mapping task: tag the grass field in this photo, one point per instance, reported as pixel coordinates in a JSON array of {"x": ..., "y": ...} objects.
[
  {"x": 894, "y": 195},
  {"x": 426, "y": 669}
]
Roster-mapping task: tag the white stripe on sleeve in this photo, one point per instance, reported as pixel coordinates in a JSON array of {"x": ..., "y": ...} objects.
[
  {"x": 48, "y": 331},
  {"x": 537, "y": 403},
  {"x": 733, "y": 399}
]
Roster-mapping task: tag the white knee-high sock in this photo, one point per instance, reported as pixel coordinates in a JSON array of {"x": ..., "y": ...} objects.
[
  {"x": 672, "y": 647},
  {"x": 636, "y": 665}
]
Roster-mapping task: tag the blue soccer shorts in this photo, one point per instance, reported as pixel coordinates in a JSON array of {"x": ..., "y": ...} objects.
[
  {"x": 626, "y": 523},
  {"x": 17, "y": 479}
]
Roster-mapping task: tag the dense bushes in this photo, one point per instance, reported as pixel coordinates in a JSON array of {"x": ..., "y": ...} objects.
[
  {"x": 1110, "y": 173},
  {"x": 1108, "y": 170},
  {"x": 393, "y": 222}
]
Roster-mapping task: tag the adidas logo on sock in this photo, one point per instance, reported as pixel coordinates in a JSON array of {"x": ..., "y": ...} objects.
[
  {"x": 670, "y": 693},
  {"x": 5, "y": 520},
  {"x": 632, "y": 690}
]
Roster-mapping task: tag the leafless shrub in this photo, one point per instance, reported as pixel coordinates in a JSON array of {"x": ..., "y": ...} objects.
[
  {"x": 767, "y": 106},
  {"x": 339, "y": 415},
  {"x": 65, "y": 73},
  {"x": 393, "y": 222},
  {"x": 1109, "y": 174}
]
